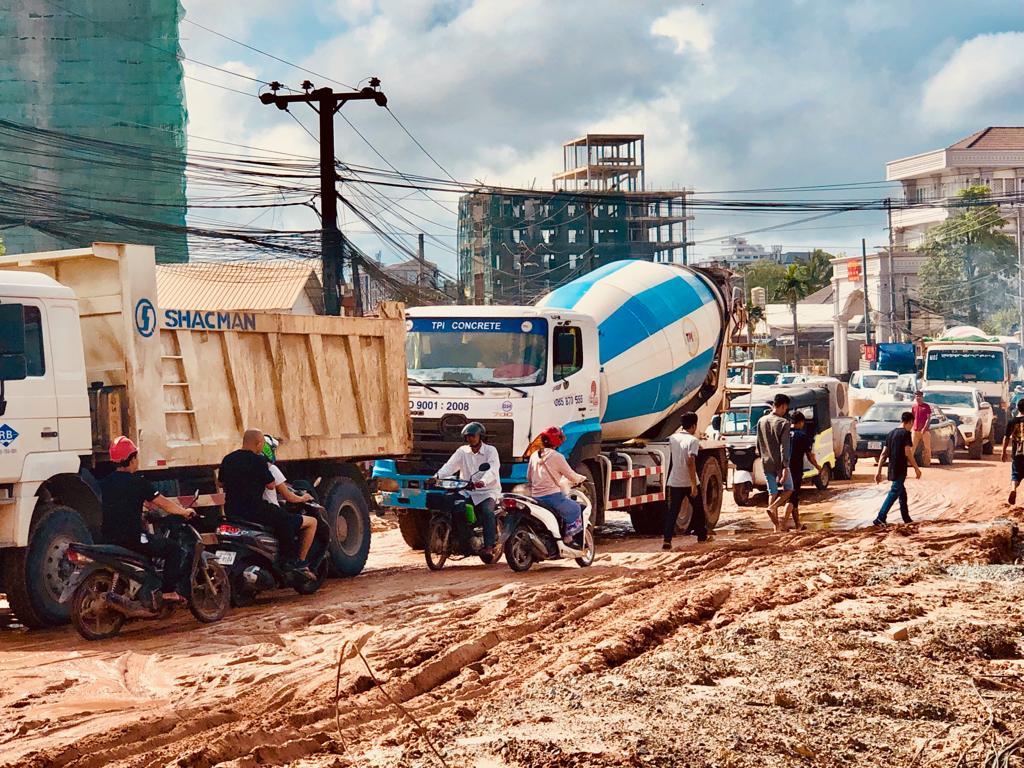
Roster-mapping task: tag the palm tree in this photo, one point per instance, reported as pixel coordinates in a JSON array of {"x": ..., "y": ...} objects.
[
  {"x": 794, "y": 286},
  {"x": 755, "y": 316}
]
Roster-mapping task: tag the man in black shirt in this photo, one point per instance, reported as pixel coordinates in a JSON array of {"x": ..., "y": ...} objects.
[
  {"x": 899, "y": 451},
  {"x": 802, "y": 446},
  {"x": 125, "y": 495},
  {"x": 245, "y": 475},
  {"x": 1014, "y": 440}
]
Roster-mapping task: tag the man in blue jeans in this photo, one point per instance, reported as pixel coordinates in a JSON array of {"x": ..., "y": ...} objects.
[{"x": 899, "y": 452}]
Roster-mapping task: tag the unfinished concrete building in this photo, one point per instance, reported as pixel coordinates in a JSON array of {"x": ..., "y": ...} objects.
[{"x": 514, "y": 247}]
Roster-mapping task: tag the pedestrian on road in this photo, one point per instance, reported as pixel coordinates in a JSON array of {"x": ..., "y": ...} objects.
[
  {"x": 803, "y": 447},
  {"x": 899, "y": 452},
  {"x": 683, "y": 485},
  {"x": 921, "y": 435},
  {"x": 773, "y": 445},
  {"x": 1015, "y": 440}
]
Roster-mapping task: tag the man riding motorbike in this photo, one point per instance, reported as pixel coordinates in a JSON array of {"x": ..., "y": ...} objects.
[
  {"x": 545, "y": 473},
  {"x": 307, "y": 528},
  {"x": 125, "y": 495},
  {"x": 245, "y": 475},
  {"x": 466, "y": 463}
]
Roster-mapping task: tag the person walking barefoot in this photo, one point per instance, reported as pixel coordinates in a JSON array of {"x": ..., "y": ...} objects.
[
  {"x": 1014, "y": 440},
  {"x": 773, "y": 445}
]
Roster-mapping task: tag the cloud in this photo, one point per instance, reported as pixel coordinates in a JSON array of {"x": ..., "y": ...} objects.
[
  {"x": 687, "y": 28},
  {"x": 985, "y": 73}
]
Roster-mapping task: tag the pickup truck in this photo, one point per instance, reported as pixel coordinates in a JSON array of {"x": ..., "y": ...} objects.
[{"x": 968, "y": 409}]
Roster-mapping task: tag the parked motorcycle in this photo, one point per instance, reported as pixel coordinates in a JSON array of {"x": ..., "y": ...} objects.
[
  {"x": 251, "y": 553},
  {"x": 112, "y": 584},
  {"x": 454, "y": 530},
  {"x": 533, "y": 532}
]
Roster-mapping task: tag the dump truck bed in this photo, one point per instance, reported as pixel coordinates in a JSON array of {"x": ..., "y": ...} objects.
[{"x": 187, "y": 383}]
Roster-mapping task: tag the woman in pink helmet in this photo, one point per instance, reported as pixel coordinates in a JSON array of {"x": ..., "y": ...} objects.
[{"x": 546, "y": 473}]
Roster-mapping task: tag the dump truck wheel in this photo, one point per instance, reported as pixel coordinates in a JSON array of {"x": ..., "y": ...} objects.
[
  {"x": 34, "y": 576},
  {"x": 646, "y": 520},
  {"x": 348, "y": 516},
  {"x": 413, "y": 525}
]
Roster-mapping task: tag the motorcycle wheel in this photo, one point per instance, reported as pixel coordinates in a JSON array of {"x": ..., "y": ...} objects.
[
  {"x": 519, "y": 551},
  {"x": 89, "y": 613},
  {"x": 309, "y": 587},
  {"x": 242, "y": 595},
  {"x": 438, "y": 544},
  {"x": 589, "y": 550},
  {"x": 211, "y": 591}
]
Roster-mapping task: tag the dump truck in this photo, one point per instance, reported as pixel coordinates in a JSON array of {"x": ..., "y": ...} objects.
[
  {"x": 614, "y": 358},
  {"x": 87, "y": 353}
]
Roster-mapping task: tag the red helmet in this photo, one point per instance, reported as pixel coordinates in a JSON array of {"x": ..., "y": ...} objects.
[
  {"x": 121, "y": 449},
  {"x": 554, "y": 435}
]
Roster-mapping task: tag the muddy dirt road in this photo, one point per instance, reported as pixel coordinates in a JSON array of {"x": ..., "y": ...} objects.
[{"x": 837, "y": 646}]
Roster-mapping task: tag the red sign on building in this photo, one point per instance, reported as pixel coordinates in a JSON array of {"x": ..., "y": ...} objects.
[{"x": 853, "y": 273}]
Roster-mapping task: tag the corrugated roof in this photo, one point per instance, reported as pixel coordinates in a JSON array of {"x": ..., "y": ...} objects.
[
  {"x": 264, "y": 287},
  {"x": 993, "y": 137}
]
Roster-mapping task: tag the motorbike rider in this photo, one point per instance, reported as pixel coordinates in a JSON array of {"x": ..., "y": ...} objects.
[
  {"x": 466, "y": 463},
  {"x": 545, "y": 473},
  {"x": 307, "y": 529},
  {"x": 245, "y": 475},
  {"x": 125, "y": 495}
]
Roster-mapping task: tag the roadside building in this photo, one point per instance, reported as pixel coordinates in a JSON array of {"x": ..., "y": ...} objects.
[
  {"x": 992, "y": 157},
  {"x": 278, "y": 286},
  {"x": 514, "y": 247}
]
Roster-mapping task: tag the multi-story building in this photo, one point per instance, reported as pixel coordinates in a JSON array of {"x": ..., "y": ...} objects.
[
  {"x": 515, "y": 246},
  {"x": 993, "y": 157}
]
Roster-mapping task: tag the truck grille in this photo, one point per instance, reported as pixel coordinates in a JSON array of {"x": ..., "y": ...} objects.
[{"x": 434, "y": 440}]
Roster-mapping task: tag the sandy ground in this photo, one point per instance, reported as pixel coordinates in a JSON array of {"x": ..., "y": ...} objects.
[{"x": 839, "y": 645}]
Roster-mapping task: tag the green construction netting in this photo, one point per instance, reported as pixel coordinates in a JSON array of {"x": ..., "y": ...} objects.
[{"x": 105, "y": 70}]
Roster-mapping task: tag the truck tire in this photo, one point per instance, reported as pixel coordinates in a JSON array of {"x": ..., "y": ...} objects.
[
  {"x": 348, "y": 515},
  {"x": 974, "y": 449},
  {"x": 824, "y": 478},
  {"x": 590, "y": 488},
  {"x": 741, "y": 493},
  {"x": 846, "y": 462},
  {"x": 711, "y": 490},
  {"x": 34, "y": 576},
  {"x": 647, "y": 519},
  {"x": 999, "y": 421},
  {"x": 988, "y": 447},
  {"x": 413, "y": 525}
]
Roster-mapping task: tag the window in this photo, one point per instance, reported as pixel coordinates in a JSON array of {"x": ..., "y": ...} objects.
[
  {"x": 573, "y": 234},
  {"x": 570, "y": 209},
  {"x": 549, "y": 234},
  {"x": 34, "y": 355},
  {"x": 568, "y": 351}
]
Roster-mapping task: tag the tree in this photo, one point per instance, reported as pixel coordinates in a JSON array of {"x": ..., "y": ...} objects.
[
  {"x": 969, "y": 260},
  {"x": 1003, "y": 322},
  {"x": 795, "y": 286},
  {"x": 755, "y": 316},
  {"x": 765, "y": 274},
  {"x": 819, "y": 269}
]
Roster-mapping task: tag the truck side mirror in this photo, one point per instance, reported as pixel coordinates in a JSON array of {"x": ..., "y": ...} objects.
[{"x": 13, "y": 362}]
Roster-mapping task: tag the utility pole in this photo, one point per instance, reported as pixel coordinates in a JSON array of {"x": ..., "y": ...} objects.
[
  {"x": 332, "y": 242},
  {"x": 864, "y": 289},
  {"x": 892, "y": 281}
]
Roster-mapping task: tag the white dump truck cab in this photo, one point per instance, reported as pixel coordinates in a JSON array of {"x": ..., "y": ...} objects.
[{"x": 516, "y": 370}]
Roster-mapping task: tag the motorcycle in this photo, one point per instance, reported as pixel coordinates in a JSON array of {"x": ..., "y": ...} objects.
[
  {"x": 454, "y": 530},
  {"x": 112, "y": 584},
  {"x": 251, "y": 553},
  {"x": 533, "y": 532}
]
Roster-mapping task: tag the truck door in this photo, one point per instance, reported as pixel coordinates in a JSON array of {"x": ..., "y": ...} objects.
[
  {"x": 573, "y": 375},
  {"x": 29, "y": 424}
]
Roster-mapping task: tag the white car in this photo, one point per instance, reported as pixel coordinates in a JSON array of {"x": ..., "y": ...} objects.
[
  {"x": 968, "y": 410},
  {"x": 869, "y": 379},
  {"x": 788, "y": 379}
]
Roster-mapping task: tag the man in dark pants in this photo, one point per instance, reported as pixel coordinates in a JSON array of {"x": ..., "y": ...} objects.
[
  {"x": 802, "y": 447},
  {"x": 1014, "y": 440},
  {"x": 899, "y": 452},
  {"x": 683, "y": 485},
  {"x": 125, "y": 495},
  {"x": 245, "y": 474}
]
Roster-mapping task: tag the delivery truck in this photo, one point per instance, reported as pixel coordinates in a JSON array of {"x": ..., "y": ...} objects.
[
  {"x": 614, "y": 358},
  {"x": 87, "y": 353}
]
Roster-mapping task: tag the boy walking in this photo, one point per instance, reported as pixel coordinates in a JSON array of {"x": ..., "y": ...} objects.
[
  {"x": 773, "y": 445},
  {"x": 1015, "y": 440},
  {"x": 803, "y": 447},
  {"x": 682, "y": 479},
  {"x": 899, "y": 452}
]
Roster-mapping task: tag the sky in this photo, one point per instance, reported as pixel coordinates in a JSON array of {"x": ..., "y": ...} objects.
[{"x": 731, "y": 94}]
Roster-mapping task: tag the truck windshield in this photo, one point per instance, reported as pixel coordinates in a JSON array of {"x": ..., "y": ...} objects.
[
  {"x": 965, "y": 365},
  {"x": 950, "y": 399},
  {"x": 499, "y": 350},
  {"x": 736, "y": 421}
]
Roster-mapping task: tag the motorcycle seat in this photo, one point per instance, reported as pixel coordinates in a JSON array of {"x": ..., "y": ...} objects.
[
  {"x": 112, "y": 550},
  {"x": 250, "y": 524}
]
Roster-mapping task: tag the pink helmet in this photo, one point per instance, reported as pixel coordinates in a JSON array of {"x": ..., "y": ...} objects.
[{"x": 121, "y": 449}]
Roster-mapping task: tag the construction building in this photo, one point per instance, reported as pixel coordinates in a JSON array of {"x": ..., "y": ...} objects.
[{"x": 514, "y": 247}]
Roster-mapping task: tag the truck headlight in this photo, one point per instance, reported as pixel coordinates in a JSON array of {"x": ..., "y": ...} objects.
[{"x": 387, "y": 484}]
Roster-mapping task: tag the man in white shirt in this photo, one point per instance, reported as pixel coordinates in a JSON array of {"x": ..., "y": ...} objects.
[
  {"x": 466, "y": 463},
  {"x": 683, "y": 484},
  {"x": 307, "y": 526}
]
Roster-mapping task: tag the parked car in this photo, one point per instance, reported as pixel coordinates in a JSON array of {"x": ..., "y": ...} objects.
[
  {"x": 766, "y": 378},
  {"x": 834, "y": 437},
  {"x": 869, "y": 379},
  {"x": 789, "y": 379},
  {"x": 968, "y": 410},
  {"x": 881, "y": 418},
  {"x": 885, "y": 392},
  {"x": 906, "y": 386}
]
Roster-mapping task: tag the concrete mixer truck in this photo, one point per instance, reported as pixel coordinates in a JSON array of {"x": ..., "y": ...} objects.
[{"x": 613, "y": 358}]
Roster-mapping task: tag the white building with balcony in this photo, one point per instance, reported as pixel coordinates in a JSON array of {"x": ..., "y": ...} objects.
[{"x": 993, "y": 157}]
